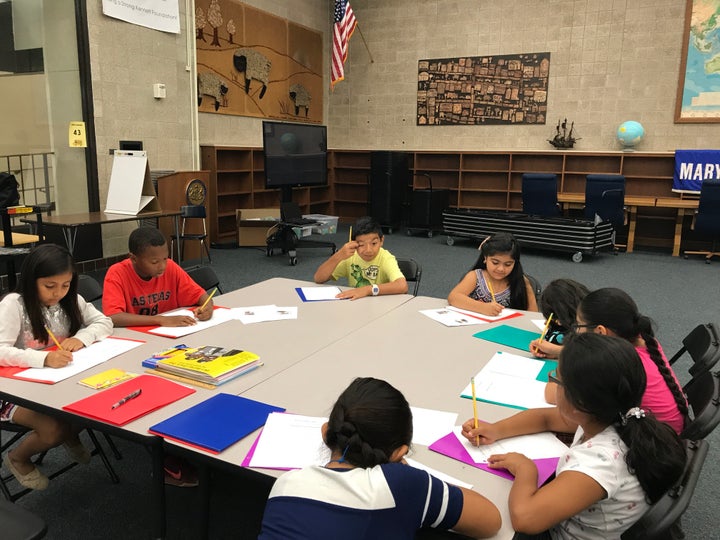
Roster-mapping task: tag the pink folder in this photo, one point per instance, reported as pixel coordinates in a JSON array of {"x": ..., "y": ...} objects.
[{"x": 450, "y": 446}]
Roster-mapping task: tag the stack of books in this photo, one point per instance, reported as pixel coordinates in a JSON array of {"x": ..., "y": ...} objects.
[{"x": 209, "y": 364}]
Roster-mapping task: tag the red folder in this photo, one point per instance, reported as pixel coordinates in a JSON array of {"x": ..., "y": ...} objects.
[{"x": 156, "y": 393}]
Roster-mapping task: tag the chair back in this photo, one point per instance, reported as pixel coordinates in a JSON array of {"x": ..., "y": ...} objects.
[
  {"x": 539, "y": 194},
  {"x": 89, "y": 288},
  {"x": 206, "y": 277},
  {"x": 660, "y": 518},
  {"x": 605, "y": 197},
  {"x": 193, "y": 211},
  {"x": 707, "y": 219},
  {"x": 412, "y": 271},
  {"x": 703, "y": 346},
  {"x": 703, "y": 394},
  {"x": 535, "y": 285},
  {"x": 19, "y": 523}
]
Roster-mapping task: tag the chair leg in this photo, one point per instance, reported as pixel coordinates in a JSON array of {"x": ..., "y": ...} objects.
[
  {"x": 112, "y": 446},
  {"x": 207, "y": 251},
  {"x": 100, "y": 452}
]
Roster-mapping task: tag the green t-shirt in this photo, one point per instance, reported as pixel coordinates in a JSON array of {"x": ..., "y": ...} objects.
[{"x": 382, "y": 269}]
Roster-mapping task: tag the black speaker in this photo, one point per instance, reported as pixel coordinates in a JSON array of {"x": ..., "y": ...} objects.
[{"x": 389, "y": 178}]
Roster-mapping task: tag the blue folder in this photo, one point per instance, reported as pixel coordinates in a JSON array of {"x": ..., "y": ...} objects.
[{"x": 216, "y": 423}]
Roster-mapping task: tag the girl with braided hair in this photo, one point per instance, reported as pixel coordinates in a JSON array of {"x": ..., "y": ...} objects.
[
  {"x": 612, "y": 312},
  {"x": 622, "y": 459},
  {"x": 366, "y": 491}
]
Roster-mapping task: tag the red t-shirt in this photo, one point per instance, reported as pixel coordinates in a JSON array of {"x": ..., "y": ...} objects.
[{"x": 126, "y": 292}]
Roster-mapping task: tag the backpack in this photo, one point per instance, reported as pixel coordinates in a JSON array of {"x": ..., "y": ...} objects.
[{"x": 9, "y": 195}]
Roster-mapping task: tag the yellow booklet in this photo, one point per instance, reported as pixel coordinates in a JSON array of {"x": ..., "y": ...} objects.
[
  {"x": 208, "y": 361},
  {"x": 107, "y": 378}
]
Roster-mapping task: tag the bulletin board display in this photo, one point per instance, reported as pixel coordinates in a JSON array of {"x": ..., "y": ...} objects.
[
  {"x": 477, "y": 90},
  {"x": 252, "y": 63}
]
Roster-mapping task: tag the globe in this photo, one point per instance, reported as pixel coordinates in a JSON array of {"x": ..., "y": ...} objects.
[{"x": 630, "y": 133}]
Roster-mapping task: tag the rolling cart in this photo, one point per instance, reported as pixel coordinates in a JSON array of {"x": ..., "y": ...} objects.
[
  {"x": 426, "y": 208},
  {"x": 283, "y": 237}
]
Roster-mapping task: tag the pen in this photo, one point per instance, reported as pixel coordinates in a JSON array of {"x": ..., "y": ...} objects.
[
  {"x": 208, "y": 299},
  {"x": 52, "y": 336},
  {"x": 472, "y": 386},
  {"x": 544, "y": 333},
  {"x": 127, "y": 398}
]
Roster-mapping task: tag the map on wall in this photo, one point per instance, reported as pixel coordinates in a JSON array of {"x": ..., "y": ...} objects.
[
  {"x": 252, "y": 63},
  {"x": 477, "y": 90}
]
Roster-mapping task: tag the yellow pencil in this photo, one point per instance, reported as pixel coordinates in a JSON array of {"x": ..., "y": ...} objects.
[
  {"x": 544, "y": 332},
  {"x": 52, "y": 336},
  {"x": 208, "y": 299},
  {"x": 475, "y": 417},
  {"x": 490, "y": 288},
  {"x": 350, "y": 235}
]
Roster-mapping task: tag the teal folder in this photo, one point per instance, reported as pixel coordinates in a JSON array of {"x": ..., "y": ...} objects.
[
  {"x": 216, "y": 423},
  {"x": 509, "y": 335}
]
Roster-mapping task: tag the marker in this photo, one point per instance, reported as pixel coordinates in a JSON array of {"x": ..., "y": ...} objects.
[
  {"x": 127, "y": 398},
  {"x": 475, "y": 417},
  {"x": 208, "y": 299},
  {"x": 52, "y": 336}
]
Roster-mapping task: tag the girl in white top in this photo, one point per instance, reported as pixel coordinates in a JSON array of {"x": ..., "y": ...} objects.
[
  {"x": 46, "y": 305},
  {"x": 621, "y": 460}
]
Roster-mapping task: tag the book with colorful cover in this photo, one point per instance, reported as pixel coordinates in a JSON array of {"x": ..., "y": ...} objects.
[{"x": 210, "y": 364}]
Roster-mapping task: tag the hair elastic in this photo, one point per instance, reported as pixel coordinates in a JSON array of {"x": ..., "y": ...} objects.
[
  {"x": 342, "y": 458},
  {"x": 483, "y": 243},
  {"x": 634, "y": 412}
]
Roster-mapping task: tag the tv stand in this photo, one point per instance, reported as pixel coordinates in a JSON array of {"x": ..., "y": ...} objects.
[{"x": 284, "y": 237}]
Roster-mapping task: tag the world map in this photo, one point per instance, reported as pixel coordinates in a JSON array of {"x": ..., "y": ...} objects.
[{"x": 701, "y": 92}]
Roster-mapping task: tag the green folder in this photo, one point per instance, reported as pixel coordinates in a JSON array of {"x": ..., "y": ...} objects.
[{"x": 508, "y": 335}]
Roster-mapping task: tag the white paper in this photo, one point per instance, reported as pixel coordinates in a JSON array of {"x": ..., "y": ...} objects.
[
  {"x": 320, "y": 293},
  {"x": 219, "y": 316},
  {"x": 535, "y": 446},
  {"x": 430, "y": 425},
  {"x": 511, "y": 380},
  {"x": 437, "y": 474},
  {"x": 540, "y": 323},
  {"x": 291, "y": 441},
  {"x": 450, "y": 317},
  {"x": 85, "y": 358},
  {"x": 255, "y": 314},
  {"x": 503, "y": 314}
]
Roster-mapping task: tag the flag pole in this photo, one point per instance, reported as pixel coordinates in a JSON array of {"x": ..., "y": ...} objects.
[{"x": 357, "y": 27}]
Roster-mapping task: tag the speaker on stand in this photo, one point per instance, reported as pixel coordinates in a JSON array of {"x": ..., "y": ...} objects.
[{"x": 389, "y": 178}]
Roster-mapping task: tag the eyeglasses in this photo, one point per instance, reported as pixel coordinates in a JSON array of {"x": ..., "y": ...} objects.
[
  {"x": 574, "y": 327},
  {"x": 552, "y": 377}
]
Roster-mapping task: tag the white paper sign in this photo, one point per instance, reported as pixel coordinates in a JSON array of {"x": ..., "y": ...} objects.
[{"x": 161, "y": 15}]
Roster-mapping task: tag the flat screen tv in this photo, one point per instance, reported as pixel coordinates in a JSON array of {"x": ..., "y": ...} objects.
[{"x": 295, "y": 155}]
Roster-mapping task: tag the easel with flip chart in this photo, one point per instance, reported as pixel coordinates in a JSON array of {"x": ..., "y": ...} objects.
[{"x": 131, "y": 190}]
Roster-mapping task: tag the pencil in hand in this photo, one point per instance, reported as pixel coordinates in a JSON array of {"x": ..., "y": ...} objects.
[
  {"x": 544, "y": 332},
  {"x": 475, "y": 415},
  {"x": 55, "y": 341},
  {"x": 205, "y": 303}
]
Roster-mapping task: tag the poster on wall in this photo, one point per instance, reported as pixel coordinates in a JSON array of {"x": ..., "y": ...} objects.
[
  {"x": 161, "y": 15},
  {"x": 698, "y": 95},
  {"x": 252, "y": 63},
  {"x": 479, "y": 90}
]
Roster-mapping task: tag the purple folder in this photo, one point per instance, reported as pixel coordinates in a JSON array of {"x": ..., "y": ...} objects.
[{"x": 450, "y": 446}]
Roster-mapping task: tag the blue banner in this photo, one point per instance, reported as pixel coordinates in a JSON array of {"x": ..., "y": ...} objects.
[{"x": 694, "y": 166}]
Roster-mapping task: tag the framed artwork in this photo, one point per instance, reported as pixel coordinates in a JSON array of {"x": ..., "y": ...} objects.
[{"x": 698, "y": 95}]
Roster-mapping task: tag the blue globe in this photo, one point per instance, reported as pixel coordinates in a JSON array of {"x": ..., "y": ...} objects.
[{"x": 630, "y": 133}]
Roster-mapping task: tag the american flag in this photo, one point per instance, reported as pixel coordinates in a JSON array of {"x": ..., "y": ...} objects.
[{"x": 343, "y": 28}]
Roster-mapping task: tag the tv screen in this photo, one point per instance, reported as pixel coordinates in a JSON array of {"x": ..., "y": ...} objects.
[{"x": 295, "y": 154}]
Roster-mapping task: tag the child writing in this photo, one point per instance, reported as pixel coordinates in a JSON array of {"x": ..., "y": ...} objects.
[
  {"x": 366, "y": 491},
  {"x": 560, "y": 299},
  {"x": 621, "y": 459},
  {"x": 46, "y": 305},
  {"x": 147, "y": 283},
  {"x": 496, "y": 280},
  {"x": 369, "y": 268},
  {"x": 610, "y": 311}
]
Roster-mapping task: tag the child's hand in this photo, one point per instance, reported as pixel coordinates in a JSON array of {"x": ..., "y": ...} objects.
[
  {"x": 58, "y": 359},
  {"x": 513, "y": 462},
  {"x": 544, "y": 349},
  {"x": 348, "y": 249},
  {"x": 72, "y": 344},
  {"x": 204, "y": 314},
  {"x": 484, "y": 434},
  {"x": 354, "y": 294},
  {"x": 178, "y": 320},
  {"x": 492, "y": 308}
]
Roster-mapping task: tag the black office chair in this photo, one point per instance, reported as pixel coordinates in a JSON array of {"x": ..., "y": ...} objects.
[
  {"x": 662, "y": 516},
  {"x": 605, "y": 199},
  {"x": 20, "y": 524},
  {"x": 539, "y": 194},
  {"x": 412, "y": 271},
  {"x": 19, "y": 432},
  {"x": 188, "y": 213},
  {"x": 535, "y": 285},
  {"x": 703, "y": 346},
  {"x": 89, "y": 288},
  {"x": 206, "y": 277},
  {"x": 707, "y": 219},
  {"x": 703, "y": 394}
]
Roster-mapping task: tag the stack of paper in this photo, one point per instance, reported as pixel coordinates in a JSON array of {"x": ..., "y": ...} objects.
[
  {"x": 106, "y": 379},
  {"x": 315, "y": 294},
  {"x": 209, "y": 365},
  {"x": 220, "y": 315}
]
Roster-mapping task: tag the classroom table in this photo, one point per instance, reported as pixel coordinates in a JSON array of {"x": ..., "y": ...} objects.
[
  {"x": 70, "y": 223},
  {"x": 10, "y": 240}
]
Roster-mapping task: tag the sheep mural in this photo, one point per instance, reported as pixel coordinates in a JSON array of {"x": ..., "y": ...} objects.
[
  {"x": 254, "y": 65},
  {"x": 300, "y": 97},
  {"x": 211, "y": 85}
]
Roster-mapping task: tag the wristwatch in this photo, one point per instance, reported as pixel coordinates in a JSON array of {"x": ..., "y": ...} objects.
[{"x": 375, "y": 289}]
